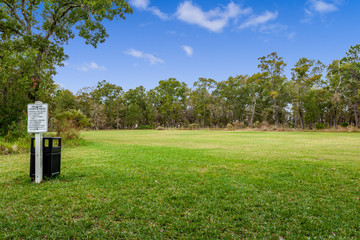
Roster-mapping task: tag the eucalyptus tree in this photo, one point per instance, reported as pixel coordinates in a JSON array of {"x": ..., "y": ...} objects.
[
  {"x": 171, "y": 101},
  {"x": 337, "y": 89},
  {"x": 306, "y": 76},
  {"x": 254, "y": 89},
  {"x": 273, "y": 68},
  {"x": 352, "y": 75},
  {"x": 104, "y": 95},
  {"x": 136, "y": 107},
  {"x": 233, "y": 92},
  {"x": 202, "y": 99}
]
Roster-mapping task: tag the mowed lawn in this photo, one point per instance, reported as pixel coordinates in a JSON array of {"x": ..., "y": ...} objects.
[{"x": 189, "y": 185}]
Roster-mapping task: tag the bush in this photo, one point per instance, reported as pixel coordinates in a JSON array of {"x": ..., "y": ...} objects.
[
  {"x": 344, "y": 124},
  {"x": 351, "y": 128},
  {"x": 320, "y": 126},
  {"x": 69, "y": 123},
  {"x": 238, "y": 125},
  {"x": 145, "y": 127},
  {"x": 17, "y": 130},
  {"x": 17, "y": 139},
  {"x": 229, "y": 126},
  {"x": 257, "y": 124}
]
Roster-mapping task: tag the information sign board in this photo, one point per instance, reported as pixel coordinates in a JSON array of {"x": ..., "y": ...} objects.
[{"x": 37, "y": 118}]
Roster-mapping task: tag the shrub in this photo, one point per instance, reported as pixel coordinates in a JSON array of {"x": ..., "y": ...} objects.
[
  {"x": 69, "y": 123},
  {"x": 238, "y": 125},
  {"x": 257, "y": 124},
  {"x": 145, "y": 127},
  {"x": 17, "y": 130},
  {"x": 229, "y": 126},
  {"x": 320, "y": 126},
  {"x": 351, "y": 128},
  {"x": 344, "y": 124},
  {"x": 17, "y": 139}
]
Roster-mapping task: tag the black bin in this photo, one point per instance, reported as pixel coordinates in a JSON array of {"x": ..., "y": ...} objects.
[{"x": 51, "y": 157}]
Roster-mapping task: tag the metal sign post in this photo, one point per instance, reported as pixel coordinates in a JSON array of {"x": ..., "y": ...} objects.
[
  {"x": 38, "y": 157},
  {"x": 38, "y": 124}
]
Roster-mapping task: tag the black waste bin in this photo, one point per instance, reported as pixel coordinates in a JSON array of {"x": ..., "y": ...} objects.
[{"x": 51, "y": 157}]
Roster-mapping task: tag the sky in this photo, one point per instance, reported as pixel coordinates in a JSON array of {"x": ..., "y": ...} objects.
[{"x": 214, "y": 39}]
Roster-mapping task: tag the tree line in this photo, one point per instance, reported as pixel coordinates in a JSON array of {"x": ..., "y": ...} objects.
[
  {"x": 32, "y": 36},
  {"x": 316, "y": 96}
]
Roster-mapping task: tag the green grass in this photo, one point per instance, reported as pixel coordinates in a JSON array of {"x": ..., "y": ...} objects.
[{"x": 190, "y": 184}]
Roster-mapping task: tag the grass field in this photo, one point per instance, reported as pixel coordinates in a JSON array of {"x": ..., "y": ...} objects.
[{"x": 190, "y": 184}]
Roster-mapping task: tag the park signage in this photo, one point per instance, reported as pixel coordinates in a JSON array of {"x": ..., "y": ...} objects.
[
  {"x": 38, "y": 124},
  {"x": 37, "y": 118}
]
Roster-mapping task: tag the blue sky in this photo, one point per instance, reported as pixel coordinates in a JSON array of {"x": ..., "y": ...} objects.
[{"x": 212, "y": 39}]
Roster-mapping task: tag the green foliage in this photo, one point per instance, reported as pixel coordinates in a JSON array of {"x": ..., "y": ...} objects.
[
  {"x": 229, "y": 126},
  {"x": 17, "y": 130},
  {"x": 272, "y": 66},
  {"x": 320, "y": 126},
  {"x": 257, "y": 124},
  {"x": 344, "y": 124},
  {"x": 306, "y": 77},
  {"x": 69, "y": 123},
  {"x": 170, "y": 97},
  {"x": 32, "y": 35},
  {"x": 142, "y": 127}
]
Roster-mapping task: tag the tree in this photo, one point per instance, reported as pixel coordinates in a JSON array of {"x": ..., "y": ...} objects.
[
  {"x": 201, "y": 99},
  {"x": 64, "y": 100},
  {"x": 254, "y": 91},
  {"x": 44, "y": 26},
  {"x": 306, "y": 75},
  {"x": 352, "y": 70},
  {"x": 136, "y": 108},
  {"x": 232, "y": 91},
  {"x": 171, "y": 98},
  {"x": 337, "y": 90},
  {"x": 32, "y": 35},
  {"x": 273, "y": 67},
  {"x": 105, "y": 94}
]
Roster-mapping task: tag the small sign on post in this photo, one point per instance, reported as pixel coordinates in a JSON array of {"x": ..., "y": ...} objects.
[{"x": 38, "y": 124}]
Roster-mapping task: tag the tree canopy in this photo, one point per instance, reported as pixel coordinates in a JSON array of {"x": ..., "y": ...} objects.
[{"x": 32, "y": 36}]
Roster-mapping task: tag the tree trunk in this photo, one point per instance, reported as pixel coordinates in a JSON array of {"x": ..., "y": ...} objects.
[
  {"x": 276, "y": 118},
  {"x": 252, "y": 114},
  {"x": 301, "y": 117},
  {"x": 356, "y": 108},
  {"x": 203, "y": 121}
]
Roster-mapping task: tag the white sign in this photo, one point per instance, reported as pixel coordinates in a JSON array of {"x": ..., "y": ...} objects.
[{"x": 37, "y": 118}]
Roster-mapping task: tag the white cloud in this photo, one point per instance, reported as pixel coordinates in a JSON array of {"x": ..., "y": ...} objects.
[
  {"x": 188, "y": 50},
  {"x": 323, "y": 7},
  {"x": 144, "y": 5},
  {"x": 255, "y": 21},
  {"x": 157, "y": 12},
  {"x": 147, "y": 57},
  {"x": 214, "y": 20},
  {"x": 319, "y": 7},
  {"x": 141, "y": 4},
  {"x": 90, "y": 66},
  {"x": 272, "y": 28}
]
